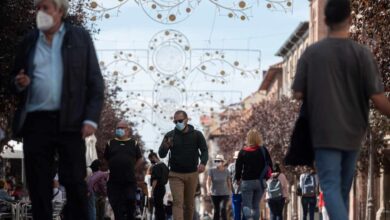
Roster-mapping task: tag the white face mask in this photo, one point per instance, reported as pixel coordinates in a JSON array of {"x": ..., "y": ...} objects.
[{"x": 44, "y": 21}]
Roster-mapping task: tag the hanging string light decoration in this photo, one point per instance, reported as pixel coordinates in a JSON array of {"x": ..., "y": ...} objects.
[
  {"x": 171, "y": 61},
  {"x": 242, "y": 9},
  {"x": 168, "y": 11},
  {"x": 169, "y": 54},
  {"x": 101, "y": 10},
  {"x": 175, "y": 11},
  {"x": 156, "y": 81}
]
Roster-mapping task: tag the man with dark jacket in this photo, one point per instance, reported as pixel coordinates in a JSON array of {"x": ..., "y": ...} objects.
[
  {"x": 186, "y": 146},
  {"x": 56, "y": 74}
]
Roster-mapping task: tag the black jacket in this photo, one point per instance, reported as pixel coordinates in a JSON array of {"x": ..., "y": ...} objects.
[
  {"x": 250, "y": 163},
  {"x": 186, "y": 151},
  {"x": 83, "y": 86}
]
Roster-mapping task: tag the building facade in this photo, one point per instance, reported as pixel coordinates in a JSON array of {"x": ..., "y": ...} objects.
[
  {"x": 272, "y": 83},
  {"x": 290, "y": 51},
  {"x": 318, "y": 29}
]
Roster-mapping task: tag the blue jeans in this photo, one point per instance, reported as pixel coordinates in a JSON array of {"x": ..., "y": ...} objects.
[
  {"x": 251, "y": 191},
  {"x": 336, "y": 169},
  {"x": 309, "y": 205},
  {"x": 237, "y": 206},
  {"x": 91, "y": 207}
]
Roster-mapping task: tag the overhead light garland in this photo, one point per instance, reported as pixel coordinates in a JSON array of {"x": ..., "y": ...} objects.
[
  {"x": 175, "y": 11},
  {"x": 173, "y": 71}
]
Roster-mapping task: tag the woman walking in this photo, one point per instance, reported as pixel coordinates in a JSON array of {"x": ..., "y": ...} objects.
[
  {"x": 219, "y": 187},
  {"x": 277, "y": 193},
  {"x": 252, "y": 165}
]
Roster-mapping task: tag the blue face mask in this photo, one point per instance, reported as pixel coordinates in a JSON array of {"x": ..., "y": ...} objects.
[
  {"x": 180, "y": 126},
  {"x": 119, "y": 132}
]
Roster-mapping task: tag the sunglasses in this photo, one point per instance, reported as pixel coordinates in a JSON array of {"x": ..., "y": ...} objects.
[{"x": 178, "y": 121}]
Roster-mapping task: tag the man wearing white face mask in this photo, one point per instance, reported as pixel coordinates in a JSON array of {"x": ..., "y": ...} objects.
[
  {"x": 186, "y": 147},
  {"x": 57, "y": 77},
  {"x": 124, "y": 157}
]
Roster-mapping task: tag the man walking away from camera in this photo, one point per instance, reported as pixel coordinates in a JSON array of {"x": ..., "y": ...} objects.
[{"x": 337, "y": 77}]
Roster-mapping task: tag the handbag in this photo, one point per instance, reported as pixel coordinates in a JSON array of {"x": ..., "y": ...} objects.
[{"x": 300, "y": 151}]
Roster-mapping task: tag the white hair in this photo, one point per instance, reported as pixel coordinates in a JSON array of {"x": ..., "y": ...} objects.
[{"x": 62, "y": 4}]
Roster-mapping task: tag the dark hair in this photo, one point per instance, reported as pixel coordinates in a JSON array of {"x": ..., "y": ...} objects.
[
  {"x": 181, "y": 112},
  {"x": 337, "y": 11},
  {"x": 95, "y": 165},
  {"x": 152, "y": 154},
  {"x": 276, "y": 168}
]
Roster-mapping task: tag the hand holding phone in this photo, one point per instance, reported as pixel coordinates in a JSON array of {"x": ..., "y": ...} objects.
[{"x": 168, "y": 142}]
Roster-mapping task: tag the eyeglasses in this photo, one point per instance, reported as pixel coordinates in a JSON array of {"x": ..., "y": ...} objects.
[{"x": 178, "y": 121}]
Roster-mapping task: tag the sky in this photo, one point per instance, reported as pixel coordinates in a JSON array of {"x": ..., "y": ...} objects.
[{"x": 265, "y": 31}]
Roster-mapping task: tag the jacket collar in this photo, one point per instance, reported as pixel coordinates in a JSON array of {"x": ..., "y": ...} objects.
[{"x": 251, "y": 148}]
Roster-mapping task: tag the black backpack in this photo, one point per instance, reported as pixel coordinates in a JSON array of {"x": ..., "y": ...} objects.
[{"x": 164, "y": 173}]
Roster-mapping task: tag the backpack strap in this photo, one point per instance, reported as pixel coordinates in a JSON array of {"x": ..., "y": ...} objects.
[
  {"x": 265, "y": 169},
  {"x": 55, "y": 194},
  {"x": 304, "y": 179},
  {"x": 311, "y": 178}
]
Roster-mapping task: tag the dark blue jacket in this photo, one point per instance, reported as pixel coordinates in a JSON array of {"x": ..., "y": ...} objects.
[{"x": 83, "y": 85}]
